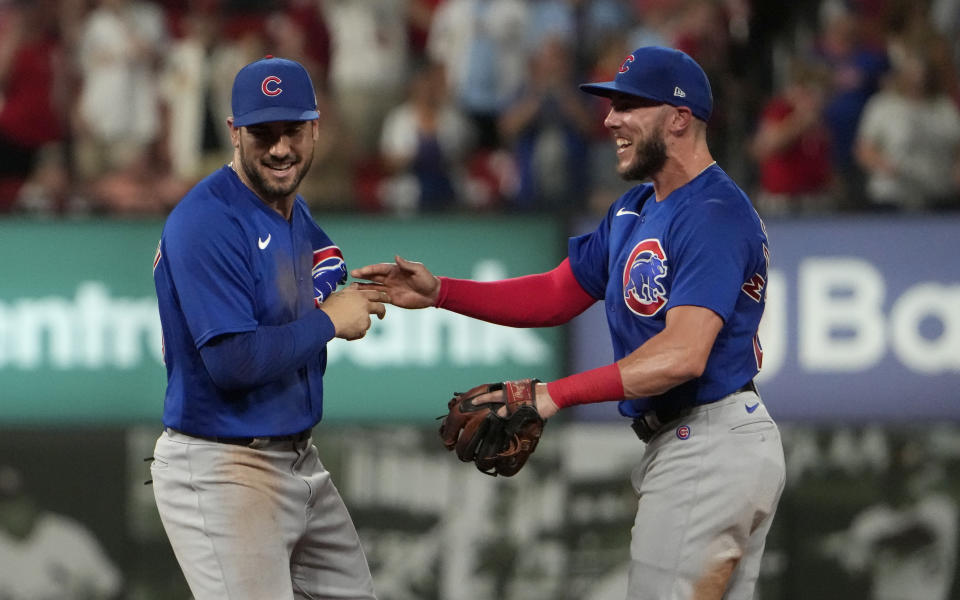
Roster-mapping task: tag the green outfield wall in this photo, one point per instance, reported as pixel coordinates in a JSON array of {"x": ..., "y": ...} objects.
[{"x": 80, "y": 338}]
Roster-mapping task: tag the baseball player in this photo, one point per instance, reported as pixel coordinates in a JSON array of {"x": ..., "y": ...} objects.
[
  {"x": 681, "y": 266},
  {"x": 245, "y": 281}
]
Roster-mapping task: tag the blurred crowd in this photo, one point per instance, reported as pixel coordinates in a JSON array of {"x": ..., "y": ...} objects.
[{"x": 117, "y": 107}]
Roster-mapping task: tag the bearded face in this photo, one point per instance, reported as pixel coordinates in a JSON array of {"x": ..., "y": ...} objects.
[{"x": 275, "y": 157}]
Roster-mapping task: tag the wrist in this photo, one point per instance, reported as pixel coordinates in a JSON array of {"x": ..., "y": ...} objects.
[
  {"x": 439, "y": 295},
  {"x": 545, "y": 404},
  {"x": 434, "y": 295},
  {"x": 602, "y": 384}
]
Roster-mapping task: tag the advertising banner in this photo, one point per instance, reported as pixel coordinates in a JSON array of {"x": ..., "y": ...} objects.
[
  {"x": 862, "y": 321},
  {"x": 80, "y": 338}
]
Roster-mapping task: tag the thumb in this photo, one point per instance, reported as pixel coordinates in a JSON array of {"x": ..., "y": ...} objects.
[{"x": 405, "y": 264}]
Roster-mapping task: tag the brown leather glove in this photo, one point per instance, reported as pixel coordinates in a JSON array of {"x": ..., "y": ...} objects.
[{"x": 499, "y": 444}]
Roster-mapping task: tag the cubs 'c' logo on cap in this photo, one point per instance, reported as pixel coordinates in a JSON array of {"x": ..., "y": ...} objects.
[
  {"x": 329, "y": 270},
  {"x": 643, "y": 274},
  {"x": 271, "y": 86},
  {"x": 625, "y": 65}
]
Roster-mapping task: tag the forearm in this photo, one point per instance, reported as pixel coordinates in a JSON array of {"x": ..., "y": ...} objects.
[
  {"x": 253, "y": 358},
  {"x": 542, "y": 300},
  {"x": 627, "y": 378},
  {"x": 657, "y": 367},
  {"x": 668, "y": 359}
]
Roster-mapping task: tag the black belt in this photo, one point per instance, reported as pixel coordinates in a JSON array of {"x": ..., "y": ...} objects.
[
  {"x": 249, "y": 441},
  {"x": 649, "y": 423}
]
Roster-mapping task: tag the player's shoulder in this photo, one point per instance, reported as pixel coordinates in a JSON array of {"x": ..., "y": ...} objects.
[
  {"x": 631, "y": 200},
  {"x": 300, "y": 206},
  {"x": 207, "y": 204},
  {"x": 716, "y": 192},
  {"x": 715, "y": 200}
]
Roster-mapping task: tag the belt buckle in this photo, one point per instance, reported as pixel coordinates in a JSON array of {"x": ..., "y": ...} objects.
[{"x": 258, "y": 442}]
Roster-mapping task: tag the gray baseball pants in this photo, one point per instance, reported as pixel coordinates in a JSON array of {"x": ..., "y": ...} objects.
[
  {"x": 250, "y": 523},
  {"x": 708, "y": 486}
]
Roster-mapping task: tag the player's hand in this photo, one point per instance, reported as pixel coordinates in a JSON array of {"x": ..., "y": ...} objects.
[
  {"x": 350, "y": 310},
  {"x": 409, "y": 284},
  {"x": 545, "y": 404}
]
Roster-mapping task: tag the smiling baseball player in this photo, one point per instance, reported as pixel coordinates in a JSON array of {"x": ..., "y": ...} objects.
[
  {"x": 246, "y": 286},
  {"x": 681, "y": 266}
]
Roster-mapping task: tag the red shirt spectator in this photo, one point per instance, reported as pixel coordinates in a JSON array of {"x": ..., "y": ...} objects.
[
  {"x": 27, "y": 115},
  {"x": 802, "y": 164}
]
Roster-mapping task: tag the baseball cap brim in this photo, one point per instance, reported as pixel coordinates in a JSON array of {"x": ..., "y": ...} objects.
[
  {"x": 607, "y": 89},
  {"x": 275, "y": 113}
]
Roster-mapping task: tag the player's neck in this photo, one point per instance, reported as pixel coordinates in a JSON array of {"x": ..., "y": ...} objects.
[{"x": 679, "y": 171}]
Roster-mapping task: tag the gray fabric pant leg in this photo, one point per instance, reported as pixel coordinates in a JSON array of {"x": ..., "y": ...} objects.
[
  {"x": 254, "y": 523},
  {"x": 708, "y": 486}
]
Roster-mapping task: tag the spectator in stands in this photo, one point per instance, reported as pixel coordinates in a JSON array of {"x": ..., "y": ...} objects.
[
  {"x": 700, "y": 28},
  {"x": 910, "y": 26},
  {"x": 300, "y": 32},
  {"x": 596, "y": 22},
  {"x": 310, "y": 43},
  {"x": 369, "y": 66},
  {"x": 791, "y": 147},
  {"x": 120, "y": 47},
  {"x": 605, "y": 184},
  {"x": 33, "y": 105},
  {"x": 548, "y": 129},
  {"x": 856, "y": 69},
  {"x": 909, "y": 140},
  {"x": 419, "y": 19},
  {"x": 653, "y": 22},
  {"x": 482, "y": 44},
  {"x": 195, "y": 88},
  {"x": 550, "y": 19},
  {"x": 424, "y": 147}
]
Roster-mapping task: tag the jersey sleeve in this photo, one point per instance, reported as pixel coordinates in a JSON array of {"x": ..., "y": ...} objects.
[
  {"x": 212, "y": 272},
  {"x": 712, "y": 251},
  {"x": 590, "y": 258},
  {"x": 329, "y": 268}
]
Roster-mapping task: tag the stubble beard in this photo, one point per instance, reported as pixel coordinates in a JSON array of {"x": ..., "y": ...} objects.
[
  {"x": 266, "y": 189},
  {"x": 649, "y": 158}
]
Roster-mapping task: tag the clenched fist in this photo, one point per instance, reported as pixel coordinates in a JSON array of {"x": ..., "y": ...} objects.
[{"x": 350, "y": 310}]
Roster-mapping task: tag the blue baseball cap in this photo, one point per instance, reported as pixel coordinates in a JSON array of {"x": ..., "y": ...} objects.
[
  {"x": 273, "y": 89},
  {"x": 662, "y": 74}
]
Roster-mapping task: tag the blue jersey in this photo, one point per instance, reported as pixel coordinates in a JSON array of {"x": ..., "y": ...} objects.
[
  {"x": 228, "y": 263},
  {"x": 703, "y": 245}
]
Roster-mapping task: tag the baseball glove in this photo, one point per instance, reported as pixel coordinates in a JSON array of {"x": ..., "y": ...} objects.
[{"x": 497, "y": 444}]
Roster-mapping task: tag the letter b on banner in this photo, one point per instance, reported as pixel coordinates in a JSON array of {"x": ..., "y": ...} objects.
[{"x": 841, "y": 312}]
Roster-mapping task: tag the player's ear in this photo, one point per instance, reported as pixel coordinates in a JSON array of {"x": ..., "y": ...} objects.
[
  {"x": 316, "y": 129},
  {"x": 234, "y": 132},
  {"x": 682, "y": 118}
]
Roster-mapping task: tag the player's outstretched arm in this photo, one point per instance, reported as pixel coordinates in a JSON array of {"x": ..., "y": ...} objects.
[
  {"x": 409, "y": 284},
  {"x": 350, "y": 310}
]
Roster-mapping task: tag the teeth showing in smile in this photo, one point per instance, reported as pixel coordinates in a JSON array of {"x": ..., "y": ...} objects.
[{"x": 622, "y": 143}]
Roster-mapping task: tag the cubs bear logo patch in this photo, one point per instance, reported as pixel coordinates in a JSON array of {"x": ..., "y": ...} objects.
[
  {"x": 643, "y": 275},
  {"x": 329, "y": 270}
]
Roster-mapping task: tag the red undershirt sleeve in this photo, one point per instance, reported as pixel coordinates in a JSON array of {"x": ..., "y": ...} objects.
[{"x": 542, "y": 300}]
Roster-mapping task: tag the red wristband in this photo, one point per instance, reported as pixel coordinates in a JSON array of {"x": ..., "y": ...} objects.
[{"x": 596, "y": 385}]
